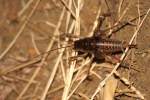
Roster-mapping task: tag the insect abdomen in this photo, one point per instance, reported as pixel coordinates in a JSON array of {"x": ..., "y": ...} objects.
[
  {"x": 96, "y": 44},
  {"x": 110, "y": 46}
]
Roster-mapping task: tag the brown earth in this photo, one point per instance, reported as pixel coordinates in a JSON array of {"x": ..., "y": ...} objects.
[{"x": 37, "y": 30}]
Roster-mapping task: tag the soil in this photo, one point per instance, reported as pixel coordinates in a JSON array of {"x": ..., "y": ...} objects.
[{"x": 39, "y": 31}]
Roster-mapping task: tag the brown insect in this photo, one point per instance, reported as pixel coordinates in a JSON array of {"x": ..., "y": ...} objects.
[{"x": 101, "y": 45}]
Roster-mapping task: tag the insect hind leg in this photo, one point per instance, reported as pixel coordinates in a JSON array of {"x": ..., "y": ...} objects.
[{"x": 98, "y": 32}]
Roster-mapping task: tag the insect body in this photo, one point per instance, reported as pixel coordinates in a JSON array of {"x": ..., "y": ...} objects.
[
  {"x": 99, "y": 47},
  {"x": 92, "y": 44}
]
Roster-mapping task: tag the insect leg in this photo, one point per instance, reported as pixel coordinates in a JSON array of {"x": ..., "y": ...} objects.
[
  {"x": 111, "y": 59},
  {"x": 80, "y": 55},
  {"x": 99, "y": 57},
  {"x": 121, "y": 25},
  {"x": 116, "y": 59},
  {"x": 98, "y": 32}
]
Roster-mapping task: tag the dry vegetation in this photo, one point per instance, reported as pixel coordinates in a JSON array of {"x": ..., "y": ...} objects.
[{"x": 29, "y": 29}]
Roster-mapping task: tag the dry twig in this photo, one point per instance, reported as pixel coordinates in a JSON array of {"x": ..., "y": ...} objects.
[{"x": 122, "y": 57}]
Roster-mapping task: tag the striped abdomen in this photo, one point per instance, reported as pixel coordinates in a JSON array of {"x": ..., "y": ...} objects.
[
  {"x": 110, "y": 46},
  {"x": 96, "y": 44}
]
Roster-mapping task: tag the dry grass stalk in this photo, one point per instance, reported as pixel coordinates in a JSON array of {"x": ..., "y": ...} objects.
[
  {"x": 67, "y": 74},
  {"x": 122, "y": 57},
  {"x": 50, "y": 80},
  {"x": 25, "y": 8},
  {"x": 34, "y": 44},
  {"x": 120, "y": 6},
  {"x": 96, "y": 21},
  {"x": 127, "y": 83},
  {"x": 68, "y": 15},
  {"x": 55, "y": 89},
  {"x": 109, "y": 89},
  {"x": 42, "y": 61},
  {"x": 94, "y": 73},
  {"x": 69, "y": 81},
  {"x": 111, "y": 84},
  {"x": 75, "y": 88},
  {"x": 8, "y": 70},
  {"x": 72, "y": 66},
  {"x": 68, "y": 8},
  {"x": 58, "y": 59},
  {"x": 83, "y": 96},
  {"x": 63, "y": 70},
  {"x": 120, "y": 16},
  {"x": 82, "y": 78},
  {"x": 20, "y": 31}
]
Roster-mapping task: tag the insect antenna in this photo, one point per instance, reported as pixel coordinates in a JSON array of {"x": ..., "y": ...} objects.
[
  {"x": 133, "y": 46},
  {"x": 54, "y": 50},
  {"x": 123, "y": 24}
]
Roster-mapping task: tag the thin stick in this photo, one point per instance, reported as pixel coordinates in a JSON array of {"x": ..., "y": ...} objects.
[
  {"x": 29, "y": 83},
  {"x": 120, "y": 6},
  {"x": 126, "y": 82},
  {"x": 20, "y": 30},
  {"x": 25, "y": 8},
  {"x": 95, "y": 74},
  {"x": 33, "y": 61},
  {"x": 120, "y": 18},
  {"x": 42, "y": 61},
  {"x": 101, "y": 84},
  {"x": 77, "y": 75},
  {"x": 49, "y": 24},
  {"x": 96, "y": 21},
  {"x": 68, "y": 15},
  {"x": 34, "y": 44},
  {"x": 108, "y": 6},
  {"x": 6, "y": 71},
  {"x": 66, "y": 6},
  {"x": 124, "y": 12},
  {"x": 75, "y": 88},
  {"x": 20, "y": 79},
  {"x": 55, "y": 89},
  {"x": 68, "y": 81},
  {"x": 80, "y": 70},
  {"x": 83, "y": 96},
  {"x": 50, "y": 80},
  {"x": 139, "y": 12},
  {"x": 63, "y": 70},
  {"x": 123, "y": 24},
  {"x": 58, "y": 60},
  {"x": 72, "y": 66}
]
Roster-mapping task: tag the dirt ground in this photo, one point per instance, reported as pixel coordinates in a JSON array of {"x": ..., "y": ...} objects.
[{"x": 24, "y": 75}]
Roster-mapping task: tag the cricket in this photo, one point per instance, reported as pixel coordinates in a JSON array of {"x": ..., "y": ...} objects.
[{"x": 74, "y": 50}]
